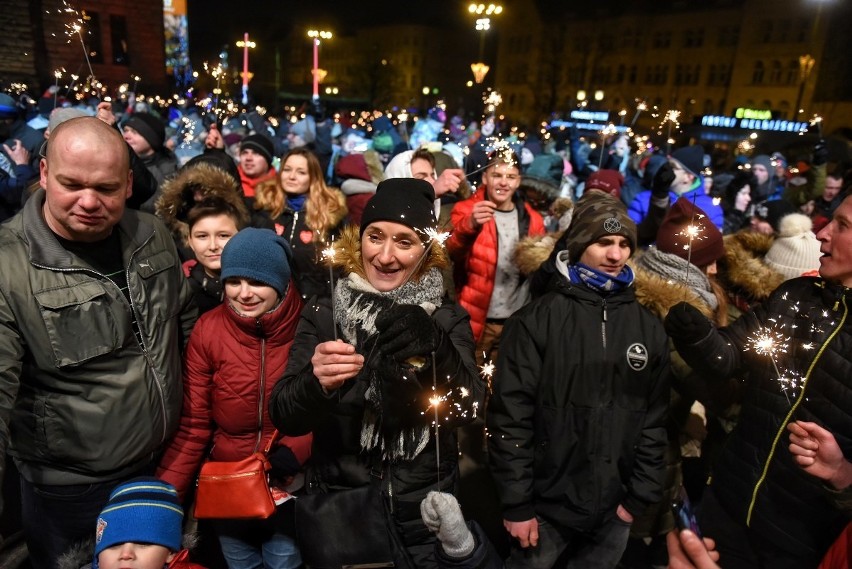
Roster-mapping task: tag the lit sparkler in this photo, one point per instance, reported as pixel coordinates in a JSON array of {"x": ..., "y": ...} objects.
[
  {"x": 328, "y": 256},
  {"x": 640, "y": 106},
  {"x": 76, "y": 27},
  {"x": 771, "y": 342},
  {"x": 816, "y": 121}
]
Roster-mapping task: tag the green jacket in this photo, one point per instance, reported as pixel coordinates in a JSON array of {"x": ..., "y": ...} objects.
[{"x": 83, "y": 401}]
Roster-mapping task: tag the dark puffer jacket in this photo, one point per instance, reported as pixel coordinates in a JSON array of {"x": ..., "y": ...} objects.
[
  {"x": 756, "y": 479},
  {"x": 577, "y": 421}
]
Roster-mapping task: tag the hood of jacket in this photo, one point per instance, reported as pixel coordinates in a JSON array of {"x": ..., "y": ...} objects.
[
  {"x": 742, "y": 270},
  {"x": 659, "y": 294},
  {"x": 178, "y": 195}
]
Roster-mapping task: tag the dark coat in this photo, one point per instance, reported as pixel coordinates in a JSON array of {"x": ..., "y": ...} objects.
[
  {"x": 756, "y": 479},
  {"x": 577, "y": 420}
]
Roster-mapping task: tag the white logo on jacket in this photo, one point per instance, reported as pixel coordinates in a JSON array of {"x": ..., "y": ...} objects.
[{"x": 637, "y": 357}]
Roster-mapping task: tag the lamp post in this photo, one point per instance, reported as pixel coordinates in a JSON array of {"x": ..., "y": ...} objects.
[
  {"x": 317, "y": 73},
  {"x": 246, "y": 45},
  {"x": 483, "y": 24}
]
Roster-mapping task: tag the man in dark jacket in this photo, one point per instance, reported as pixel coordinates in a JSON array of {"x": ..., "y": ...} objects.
[
  {"x": 762, "y": 509},
  {"x": 581, "y": 389},
  {"x": 94, "y": 311}
]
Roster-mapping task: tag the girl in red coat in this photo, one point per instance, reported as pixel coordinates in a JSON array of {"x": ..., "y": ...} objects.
[{"x": 236, "y": 354}]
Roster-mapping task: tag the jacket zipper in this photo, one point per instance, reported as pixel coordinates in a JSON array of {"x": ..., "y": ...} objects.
[
  {"x": 603, "y": 323},
  {"x": 145, "y": 352},
  {"x": 792, "y": 410},
  {"x": 293, "y": 229},
  {"x": 261, "y": 394}
]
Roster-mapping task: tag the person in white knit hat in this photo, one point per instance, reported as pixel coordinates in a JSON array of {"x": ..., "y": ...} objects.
[{"x": 795, "y": 250}]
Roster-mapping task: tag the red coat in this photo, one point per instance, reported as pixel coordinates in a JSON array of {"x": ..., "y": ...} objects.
[
  {"x": 231, "y": 365},
  {"x": 474, "y": 254}
]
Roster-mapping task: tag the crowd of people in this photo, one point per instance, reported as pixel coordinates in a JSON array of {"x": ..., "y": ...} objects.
[{"x": 596, "y": 331}]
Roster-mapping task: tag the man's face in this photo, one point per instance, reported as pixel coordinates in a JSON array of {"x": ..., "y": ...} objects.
[
  {"x": 254, "y": 165},
  {"x": 836, "y": 246},
  {"x": 422, "y": 170},
  {"x": 761, "y": 174},
  {"x": 832, "y": 188},
  {"x": 683, "y": 179},
  {"x": 86, "y": 182},
  {"x": 608, "y": 254},
  {"x": 139, "y": 145},
  {"x": 501, "y": 182}
]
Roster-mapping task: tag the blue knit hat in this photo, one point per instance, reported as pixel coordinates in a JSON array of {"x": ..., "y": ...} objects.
[
  {"x": 258, "y": 254},
  {"x": 143, "y": 510}
]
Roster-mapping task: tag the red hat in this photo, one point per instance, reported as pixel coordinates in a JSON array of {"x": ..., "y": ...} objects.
[
  {"x": 607, "y": 181},
  {"x": 706, "y": 244}
]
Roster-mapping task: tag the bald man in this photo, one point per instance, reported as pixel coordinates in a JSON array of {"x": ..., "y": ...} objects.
[{"x": 94, "y": 314}]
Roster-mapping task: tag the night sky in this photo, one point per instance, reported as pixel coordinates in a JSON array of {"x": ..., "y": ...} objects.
[{"x": 213, "y": 23}]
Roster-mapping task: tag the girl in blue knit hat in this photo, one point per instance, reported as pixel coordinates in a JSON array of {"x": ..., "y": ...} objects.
[{"x": 236, "y": 354}]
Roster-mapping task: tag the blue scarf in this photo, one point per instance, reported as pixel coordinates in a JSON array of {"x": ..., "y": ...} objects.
[
  {"x": 296, "y": 202},
  {"x": 581, "y": 274}
]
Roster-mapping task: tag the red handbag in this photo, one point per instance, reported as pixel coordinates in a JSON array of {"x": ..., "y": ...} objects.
[{"x": 237, "y": 490}]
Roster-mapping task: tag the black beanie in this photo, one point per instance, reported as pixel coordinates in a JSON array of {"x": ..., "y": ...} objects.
[
  {"x": 260, "y": 144},
  {"x": 597, "y": 214},
  {"x": 149, "y": 127},
  {"x": 408, "y": 201},
  {"x": 691, "y": 158}
]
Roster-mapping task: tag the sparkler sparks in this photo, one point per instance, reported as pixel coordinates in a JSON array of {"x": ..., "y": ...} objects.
[
  {"x": 771, "y": 342},
  {"x": 328, "y": 256}
]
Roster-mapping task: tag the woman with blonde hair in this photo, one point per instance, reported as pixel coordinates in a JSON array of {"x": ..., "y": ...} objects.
[{"x": 307, "y": 213}]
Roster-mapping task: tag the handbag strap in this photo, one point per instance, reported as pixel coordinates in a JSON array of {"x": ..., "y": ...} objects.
[{"x": 271, "y": 441}]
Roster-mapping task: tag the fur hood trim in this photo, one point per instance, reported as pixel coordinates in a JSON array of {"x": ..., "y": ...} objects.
[
  {"x": 531, "y": 252},
  {"x": 347, "y": 255},
  {"x": 659, "y": 294},
  {"x": 211, "y": 180},
  {"x": 743, "y": 269},
  {"x": 374, "y": 166}
]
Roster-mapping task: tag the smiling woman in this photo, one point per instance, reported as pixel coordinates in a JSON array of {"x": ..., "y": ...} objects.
[{"x": 365, "y": 398}]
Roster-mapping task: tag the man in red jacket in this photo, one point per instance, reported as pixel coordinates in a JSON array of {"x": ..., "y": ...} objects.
[{"x": 486, "y": 228}]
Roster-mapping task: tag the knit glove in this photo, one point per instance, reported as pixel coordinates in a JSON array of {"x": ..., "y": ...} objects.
[
  {"x": 687, "y": 324},
  {"x": 820, "y": 153},
  {"x": 284, "y": 463},
  {"x": 662, "y": 182},
  {"x": 442, "y": 516},
  {"x": 406, "y": 330}
]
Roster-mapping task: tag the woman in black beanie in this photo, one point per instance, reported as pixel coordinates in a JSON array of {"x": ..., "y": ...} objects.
[{"x": 365, "y": 371}]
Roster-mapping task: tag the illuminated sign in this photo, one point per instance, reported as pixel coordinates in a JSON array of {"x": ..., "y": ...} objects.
[
  {"x": 599, "y": 116},
  {"x": 757, "y": 114},
  {"x": 776, "y": 125}
]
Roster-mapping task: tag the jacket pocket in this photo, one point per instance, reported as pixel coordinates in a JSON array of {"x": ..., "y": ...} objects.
[
  {"x": 79, "y": 322},
  {"x": 162, "y": 297}
]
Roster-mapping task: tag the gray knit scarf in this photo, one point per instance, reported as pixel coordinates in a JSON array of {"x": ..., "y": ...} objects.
[
  {"x": 674, "y": 268},
  {"x": 357, "y": 305}
]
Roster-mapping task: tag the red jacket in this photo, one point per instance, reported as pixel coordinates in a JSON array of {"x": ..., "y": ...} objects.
[
  {"x": 231, "y": 365},
  {"x": 474, "y": 254}
]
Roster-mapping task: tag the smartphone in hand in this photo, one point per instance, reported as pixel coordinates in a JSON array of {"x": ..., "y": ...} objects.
[{"x": 684, "y": 514}]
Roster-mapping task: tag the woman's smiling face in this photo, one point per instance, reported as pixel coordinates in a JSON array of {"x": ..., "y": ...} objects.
[{"x": 390, "y": 251}]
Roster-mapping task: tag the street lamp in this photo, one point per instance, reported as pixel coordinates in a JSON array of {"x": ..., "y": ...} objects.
[
  {"x": 318, "y": 74},
  {"x": 246, "y": 44},
  {"x": 483, "y": 24}
]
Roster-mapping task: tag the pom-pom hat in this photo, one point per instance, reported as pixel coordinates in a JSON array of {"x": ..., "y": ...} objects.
[
  {"x": 143, "y": 510},
  {"x": 408, "y": 201},
  {"x": 260, "y": 255},
  {"x": 795, "y": 250}
]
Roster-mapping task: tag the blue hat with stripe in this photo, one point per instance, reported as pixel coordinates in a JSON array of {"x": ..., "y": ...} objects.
[{"x": 143, "y": 510}]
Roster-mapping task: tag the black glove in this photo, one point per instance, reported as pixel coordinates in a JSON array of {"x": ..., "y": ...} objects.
[
  {"x": 662, "y": 181},
  {"x": 406, "y": 330},
  {"x": 284, "y": 462},
  {"x": 317, "y": 109},
  {"x": 820, "y": 153},
  {"x": 686, "y": 324}
]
